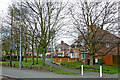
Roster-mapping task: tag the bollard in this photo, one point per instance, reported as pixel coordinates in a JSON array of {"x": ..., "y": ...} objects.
[
  {"x": 8, "y": 64},
  {"x": 68, "y": 59},
  {"x": 38, "y": 67},
  {"x": 60, "y": 60},
  {"x": 82, "y": 70},
  {"x": 100, "y": 71},
  {"x": 13, "y": 65},
  {"x": 30, "y": 66},
  {"x": 50, "y": 69},
  {"x": 22, "y": 66}
]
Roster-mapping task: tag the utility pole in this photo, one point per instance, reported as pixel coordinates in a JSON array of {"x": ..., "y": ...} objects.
[{"x": 20, "y": 33}]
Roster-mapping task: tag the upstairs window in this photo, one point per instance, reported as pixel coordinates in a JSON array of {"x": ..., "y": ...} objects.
[
  {"x": 76, "y": 55},
  {"x": 59, "y": 49},
  {"x": 107, "y": 45}
]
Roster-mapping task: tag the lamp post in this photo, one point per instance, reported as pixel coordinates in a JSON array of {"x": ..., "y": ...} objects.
[
  {"x": 11, "y": 38},
  {"x": 20, "y": 34}
]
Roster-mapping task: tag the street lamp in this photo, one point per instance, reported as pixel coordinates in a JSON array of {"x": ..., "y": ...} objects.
[{"x": 20, "y": 33}]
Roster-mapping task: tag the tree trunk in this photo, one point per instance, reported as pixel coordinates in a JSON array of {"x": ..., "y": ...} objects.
[
  {"x": 25, "y": 56},
  {"x": 17, "y": 54},
  {"x": 11, "y": 58},
  {"x": 43, "y": 57},
  {"x": 37, "y": 57},
  {"x": 32, "y": 55},
  {"x": 91, "y": 60}
]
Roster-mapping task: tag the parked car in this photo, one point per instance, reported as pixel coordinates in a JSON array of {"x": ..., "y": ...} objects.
[{"x": 40, "y": 55}]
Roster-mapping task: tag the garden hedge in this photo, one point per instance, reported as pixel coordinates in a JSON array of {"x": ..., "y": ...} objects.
[{"x": 14, "y": 57}]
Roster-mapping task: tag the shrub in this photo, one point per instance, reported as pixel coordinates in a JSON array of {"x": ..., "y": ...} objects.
[
  {"x": 14, "y": 57},
  {"x": 4, "y": 58},
  {"x": 8, "y": 57}
]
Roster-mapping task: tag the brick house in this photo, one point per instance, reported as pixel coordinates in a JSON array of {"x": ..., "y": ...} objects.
[
  {"x": 63, "y": 49},
  {"x": 109, "y": 46}
]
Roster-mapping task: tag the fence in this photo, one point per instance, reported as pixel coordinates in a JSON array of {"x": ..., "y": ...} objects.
[
  {"x": 108, "y": 59},
  {"x": 58, "y": 60}
]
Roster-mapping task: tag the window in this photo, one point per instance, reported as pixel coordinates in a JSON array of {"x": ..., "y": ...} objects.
[
  {"x": 59, "y": 49},
  {"x": 83, "y": 42},
  {"x": 96, "y": 60},
  {"x": 59, "y": 54},
  {"x": 107, "y": 45},
  {"x": 83, "y": 56},
  {"x": 71, "y": 55},
  {"x": 75, "y": 55}
]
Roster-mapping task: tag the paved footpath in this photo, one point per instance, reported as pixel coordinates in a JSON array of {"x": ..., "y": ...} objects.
[
  {"x": 16, "y": 73},
  {"x": 86, "y": 73}
]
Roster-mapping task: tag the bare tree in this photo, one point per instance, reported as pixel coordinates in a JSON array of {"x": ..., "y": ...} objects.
[
  {"x": 48, "y": 16},
  {"x": 90, "y": 19}
]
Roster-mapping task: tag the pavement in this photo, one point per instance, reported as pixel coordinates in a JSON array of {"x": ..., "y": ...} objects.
[
  {"x": 87, "y": 74},
  {"x": 16, "y": 73}
]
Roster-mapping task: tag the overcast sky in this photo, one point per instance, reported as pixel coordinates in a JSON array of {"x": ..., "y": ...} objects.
[{"x": 5, "y": 3}]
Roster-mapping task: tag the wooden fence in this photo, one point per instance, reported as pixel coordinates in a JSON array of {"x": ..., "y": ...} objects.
[
  {"x": 108, "y": 59},
  {"x": 58, "y": 60}
]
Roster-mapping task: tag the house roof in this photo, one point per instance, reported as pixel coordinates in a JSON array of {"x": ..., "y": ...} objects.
[
  {"x": 107, "y": 38},
  {"x": 62, "y": 46},
  {"x": 110, "y": 38}
]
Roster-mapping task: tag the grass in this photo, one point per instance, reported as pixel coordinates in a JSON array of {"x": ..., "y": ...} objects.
[
  {"x": 113, "y": 69},
  {"x": 29, "y": 62},
  {"x": 62, "y": 71}
]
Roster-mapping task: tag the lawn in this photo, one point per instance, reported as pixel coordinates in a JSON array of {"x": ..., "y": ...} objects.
[
  {"x": 29, "y": 62},
  {"x": 77, "y": 64}
]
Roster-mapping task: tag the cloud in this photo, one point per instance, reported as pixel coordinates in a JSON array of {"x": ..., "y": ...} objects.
[{"x": 4, "y": 4}]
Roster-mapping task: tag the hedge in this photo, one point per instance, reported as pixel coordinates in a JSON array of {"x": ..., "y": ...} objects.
[
  {"x": 14, "y": 57},
  {"x": 116, "y": 59}
]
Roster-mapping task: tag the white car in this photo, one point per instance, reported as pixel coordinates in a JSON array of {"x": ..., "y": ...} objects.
[{"x": 40, "y": 55}]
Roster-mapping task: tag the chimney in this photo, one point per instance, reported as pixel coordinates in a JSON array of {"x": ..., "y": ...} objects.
[{"x": 62, "y": 42}]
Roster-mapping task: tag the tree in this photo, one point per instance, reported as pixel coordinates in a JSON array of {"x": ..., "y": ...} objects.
[
  {"x": 90, "y": 20},
  {"x": 47, "y": 15}
]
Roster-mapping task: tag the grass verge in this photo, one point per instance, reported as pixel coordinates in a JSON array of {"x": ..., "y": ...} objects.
[
  {"x": 77, "y": 64},
  {"x": 29, "y": 62}
]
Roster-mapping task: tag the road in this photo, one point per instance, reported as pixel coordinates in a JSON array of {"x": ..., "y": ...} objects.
[{"x": 16, "y": 73}]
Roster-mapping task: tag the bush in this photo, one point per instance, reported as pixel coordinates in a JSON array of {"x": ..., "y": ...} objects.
[
  {"x": 14, "y": 57},
  {"x": 4, "y": 58},
  {"x": 8, "y": 57},
  {"x": 61, "y": 57}
]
